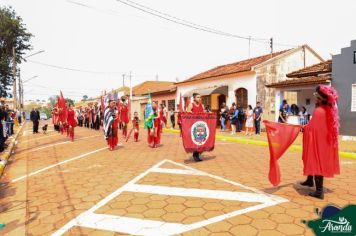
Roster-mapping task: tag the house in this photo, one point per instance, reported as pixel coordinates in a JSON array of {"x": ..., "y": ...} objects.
[
  {"x": 344, "y": 74},
  {"x": 244, "y": 82},
  {"x": 161, "y": 92},
  {"x": 303, "y": 83}
]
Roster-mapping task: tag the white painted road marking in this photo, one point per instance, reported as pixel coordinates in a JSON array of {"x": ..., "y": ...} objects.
[
  {"x": 57, "y": 164},
  {"x": 45, "y": 136},
  {"x": 60, "y": 143},
  {"x": 137, "y": 226}
]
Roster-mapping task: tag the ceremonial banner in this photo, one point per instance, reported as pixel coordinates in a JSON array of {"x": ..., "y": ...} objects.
[
  {"x": 280, "y": 137},
  {"x": 198, "y": 131}
]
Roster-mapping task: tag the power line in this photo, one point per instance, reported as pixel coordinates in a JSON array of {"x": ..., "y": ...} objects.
[
  {"x": 72, "y": 69},
  {"x": 189, "y": 24}
]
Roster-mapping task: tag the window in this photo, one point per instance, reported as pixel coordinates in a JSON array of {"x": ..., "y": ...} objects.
[
  {"x": 206, "y": 100},
  {"x": 171, "y": 104},
  {"x": 353, "y": 98},
  {"x": 354, "y": 57}
]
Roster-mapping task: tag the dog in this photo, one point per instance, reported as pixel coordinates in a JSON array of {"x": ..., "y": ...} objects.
[{"x": 44, "y": 128}]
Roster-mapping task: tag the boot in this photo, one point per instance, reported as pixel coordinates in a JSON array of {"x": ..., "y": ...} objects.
[
  {"x": 319, "y": 182},
  {"x": 308, "y": 182}
]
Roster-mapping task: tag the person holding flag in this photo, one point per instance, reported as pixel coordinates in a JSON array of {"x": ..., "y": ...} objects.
[
  {"x": 71, "y": 121},
  {"x": 320, "y": 142},
  {"x": 55, "y": 117},
  {"x": 111, "y": 125},
  {"x": 152, "y": 123},
  {"x": 196, "y": 108}
]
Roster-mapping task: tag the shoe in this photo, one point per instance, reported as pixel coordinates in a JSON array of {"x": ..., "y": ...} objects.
[
  {"x": 308, "y": 182},
  {"x": 319, "y": 192}
]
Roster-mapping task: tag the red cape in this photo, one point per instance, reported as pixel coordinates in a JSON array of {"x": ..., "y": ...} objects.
[{"x": 320, "y": 156}]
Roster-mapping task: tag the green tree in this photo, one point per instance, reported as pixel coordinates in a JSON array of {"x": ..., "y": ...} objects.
[
  {"x": 13, "y": 34},
  {"x": 69, "y": 102},
  {"x": 85, "y": 97},
  {"x": 53, "y": 100}
]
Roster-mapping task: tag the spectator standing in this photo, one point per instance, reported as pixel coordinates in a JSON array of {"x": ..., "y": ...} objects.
[
  {"x": 172, "y": 117},
  {"x": 294, "y": 110},
  {"x": 35, "y": 117},
  {"x": 303, "y": 116},
  {"x": 257, "y": 115},
  {"x": 233, "y": 115},
  {"x": 283, "y": 114},
  {"x": 2, "y": 128},
  {"x": 240, "y": 118},
  {"x": 223, "y": 116},
  {"x": 249, "y": 120}
]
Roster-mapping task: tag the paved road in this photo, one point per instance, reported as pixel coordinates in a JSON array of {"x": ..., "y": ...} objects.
[{"x": 53, "y": 186}]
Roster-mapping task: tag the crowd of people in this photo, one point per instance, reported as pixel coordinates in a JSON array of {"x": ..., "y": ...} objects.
[
  {"x": 239, "y": 117},
  {"x": 286, "y": 111},
  {"x": 8, "y": 118}
]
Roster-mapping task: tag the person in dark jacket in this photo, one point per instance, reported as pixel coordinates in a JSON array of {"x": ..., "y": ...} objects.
[{"x": 35, "y": 118}]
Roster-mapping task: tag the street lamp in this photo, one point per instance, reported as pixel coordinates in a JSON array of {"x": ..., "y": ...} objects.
[
  {"x": 41, "y": 51},
  {"x": 21, "y": 82},
  {"x": 33, "y": 77}
]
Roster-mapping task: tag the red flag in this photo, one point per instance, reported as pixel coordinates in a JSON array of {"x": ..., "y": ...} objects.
[
  {"x": 280, "y": 137},
  {"x": 180, "y": 103},
  {"x": 129, "y": 108},
  {"x": 198, "y": 132}
]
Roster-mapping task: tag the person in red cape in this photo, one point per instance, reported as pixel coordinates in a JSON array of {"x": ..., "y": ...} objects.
[
  {"x": 136, "y": 126},
  {"x": 196, "y": 107},
  {"x": 154, "y": 133},
  {"x": 124, "y": 115},
  {"x": 111, "y": 125},
  {"x": 55, "y": 117},
  {"x": 320, "y": 141},
  {"x": 71, "y": 121}
]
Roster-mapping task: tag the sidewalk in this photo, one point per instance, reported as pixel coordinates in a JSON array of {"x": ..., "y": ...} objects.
[
  {"x": 347, "y": 149},
  {"x": 5, "y": 155}
]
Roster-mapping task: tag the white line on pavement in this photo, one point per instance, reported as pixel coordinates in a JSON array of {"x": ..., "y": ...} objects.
[
  {"x": 57, "y": 164},
  {"x": 60, "y": 143},
  {"x": 46, "y": 136}
]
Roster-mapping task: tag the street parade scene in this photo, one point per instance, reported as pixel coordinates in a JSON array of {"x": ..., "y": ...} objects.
[{"x": 177, "y": 118}]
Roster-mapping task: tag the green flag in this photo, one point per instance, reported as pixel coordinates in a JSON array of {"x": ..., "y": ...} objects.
[{"x": 149, "y": 113}]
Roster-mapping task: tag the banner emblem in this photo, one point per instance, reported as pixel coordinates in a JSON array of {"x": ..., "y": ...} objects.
[{"x": 200, "y": 132}]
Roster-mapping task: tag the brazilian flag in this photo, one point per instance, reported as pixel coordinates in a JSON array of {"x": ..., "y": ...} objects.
[{"x": 149, "y": 114}]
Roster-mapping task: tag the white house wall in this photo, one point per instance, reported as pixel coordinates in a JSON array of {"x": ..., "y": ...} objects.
[
  {"x": 248, "y": 82},
  {"x": 275, "y": 71}
]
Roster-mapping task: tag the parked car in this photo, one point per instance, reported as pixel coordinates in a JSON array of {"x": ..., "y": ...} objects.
[
  {"x": 43, "y": 116},
  {"x": 27, "y": 116}
]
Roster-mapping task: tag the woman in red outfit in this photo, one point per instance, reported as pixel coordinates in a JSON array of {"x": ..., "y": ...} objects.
[
  {"x": 154, "y": 133},
  {"x": 124, "y": 116},
  {"x": 196, "y": 107},
  {"x": 320, "y": 141},
  {"x": 71, "y": 122}
]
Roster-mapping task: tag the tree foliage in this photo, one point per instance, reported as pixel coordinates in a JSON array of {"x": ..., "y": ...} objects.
[{"x": 13, "y": 34}]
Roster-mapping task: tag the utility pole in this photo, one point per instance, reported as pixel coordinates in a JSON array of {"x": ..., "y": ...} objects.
[
  {"x": 130, "y": 77},
  {"x": 271, "y": 44},
  {"x": 14, "y": 91},
  {"x": 20, "y": 90},
  {"x": 249, "y": 46},
  {"x": 123, "y": 80}
]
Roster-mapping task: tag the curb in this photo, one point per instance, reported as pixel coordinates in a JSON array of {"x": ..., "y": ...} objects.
[
  {"x": 5, "y": 155},
  {"x": 348, "y": 155}
]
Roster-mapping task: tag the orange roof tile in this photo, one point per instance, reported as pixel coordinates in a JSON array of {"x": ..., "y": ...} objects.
[
  {"x": 151, "y": 86},
  {"x": 309, "y": 80},
  {"x": 321, "y": 68},
  {"x": 241, "y": 66}
]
